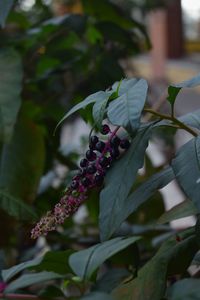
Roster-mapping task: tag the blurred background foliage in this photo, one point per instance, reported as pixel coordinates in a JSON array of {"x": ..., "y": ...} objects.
[{"x": 52, "y": 56}]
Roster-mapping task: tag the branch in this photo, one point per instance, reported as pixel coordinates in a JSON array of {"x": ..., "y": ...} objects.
[{"x": 172, "y": 119}]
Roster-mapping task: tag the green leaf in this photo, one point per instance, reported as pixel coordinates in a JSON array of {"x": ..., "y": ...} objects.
[
  {"x": 111, "y": 279},
  {"x": 11, "y": 272},
  {"x": 173, "y": 90},
  {"x": 185, "y": 289},
  {"x": 15, "y": 207},
  {"x": 10, "y": 88},
  {"x": 97, "y": 296},
  {"x": 107, "y": 11},
  {"x": 5, "y": 7},
  {"x": 93, "y": 34},
  {"x": 118, "y": 183},
  {"x": 46, "y": 64},
  {"x": 145, "y": 191},
  {"x": 22, "y": 161},
  {"x": 192, "y": 119},
  {"x": 181, "y": 210},
  {"x": 151, "y": 280},
  {"x": 98, "y": 96},
  {"x": 138, "y": 197},
  {"x": 85, "y": 262},
  {"x": 121, "y": 87},
  {"x": 99, "y": 110},
  {"x": 126, "y": 110},
  {"x": 54, "y": 261},
  {"x": 186, "y": 167},
  {"x": 30, "y": 279}
]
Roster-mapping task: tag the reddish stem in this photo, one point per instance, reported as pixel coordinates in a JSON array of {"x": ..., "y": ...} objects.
[{"x": 18, "y": 296}]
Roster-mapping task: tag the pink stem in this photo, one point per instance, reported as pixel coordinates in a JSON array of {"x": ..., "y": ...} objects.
[{"x": 18, "y": 296}]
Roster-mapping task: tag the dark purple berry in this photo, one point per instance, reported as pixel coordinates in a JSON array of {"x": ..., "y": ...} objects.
[
  {"x": 114, "y": 153},
  {"x": 115, "y": 141},
  {"x": 86, "y": 182},
  {"x": 91, "y": 169},
  {"x": 83, "y": 162},
  {"x": 98, "y": 179},
  {"x": 100, "y": 146},
  {"x": 125, "y": 144},
  {"x": 74, "y": 184},
  {"x": 91, "y": 155},
  {"x": 104, "y": 161},
  {"x": 105, "y": 129},
  {"x": 94, "y": 139},
  {"x": 82, "y": 172}
]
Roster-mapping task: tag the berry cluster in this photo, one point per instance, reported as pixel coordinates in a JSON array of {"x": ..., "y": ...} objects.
[
  {"x": 98, "y": 159},
  {"x": 93, "y": 167}
]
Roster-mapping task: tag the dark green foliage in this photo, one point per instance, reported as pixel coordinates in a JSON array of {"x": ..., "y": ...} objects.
[{"x": 111, "y": 250}]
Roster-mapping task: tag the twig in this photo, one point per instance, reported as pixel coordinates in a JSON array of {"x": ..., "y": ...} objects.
[{"x": 172, "y": 119}]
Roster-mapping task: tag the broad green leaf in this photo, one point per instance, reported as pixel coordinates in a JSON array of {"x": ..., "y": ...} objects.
[
  {"x": 124, "y": 85},
  {"x": 97, "y": 296},
  {"x": 150, "y": 282},
  {"x": 5, "y": 7},
  {"x": 85, "y": 262},
  {"x": 107, "y": 11},
  {"x": 118, "y": 183},
  {"x": 46, "y": 64},
  {"x": 139, "y": 196},
  {"x": 185, "y": 289},
  {"x": 173, "y": 90},
  {"x": 192, "y": 119},
  {"x": 99, "y": 110},
  {"x": 93, "y": 34},
  {"x": 111, "y": 279},
  {"x": 186, "y": 167},
  {"x": 181, "y": 210},
  {"x": 15, "y": 207},
  {"x": 11, "y": 272},
  {"x": 126, "y": 110},
  {"x": 31, "y": 279},
  {"x": 10, "y": 88},
  {"x": 22, "y": 161},
  {"x": 98, "y": 96},
  {"x": 145, "y": 191},
  {"x": 54, "y": 261}
]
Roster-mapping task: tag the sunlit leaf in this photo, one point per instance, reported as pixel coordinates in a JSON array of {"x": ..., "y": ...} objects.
[{"x": 126, "y": 110}]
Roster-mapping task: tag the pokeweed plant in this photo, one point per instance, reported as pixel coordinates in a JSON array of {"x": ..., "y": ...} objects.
[{"x": 111, "y": 166}]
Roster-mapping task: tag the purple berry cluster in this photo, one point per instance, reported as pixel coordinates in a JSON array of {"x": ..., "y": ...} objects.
[
  {"x": 98, "y": 159},
  {"x": 93, "y": 167}
]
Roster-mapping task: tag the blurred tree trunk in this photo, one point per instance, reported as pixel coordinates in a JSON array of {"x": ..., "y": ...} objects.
[
  {"x": 158, "y": 36},
  {"x": 174, "y": 29}
]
